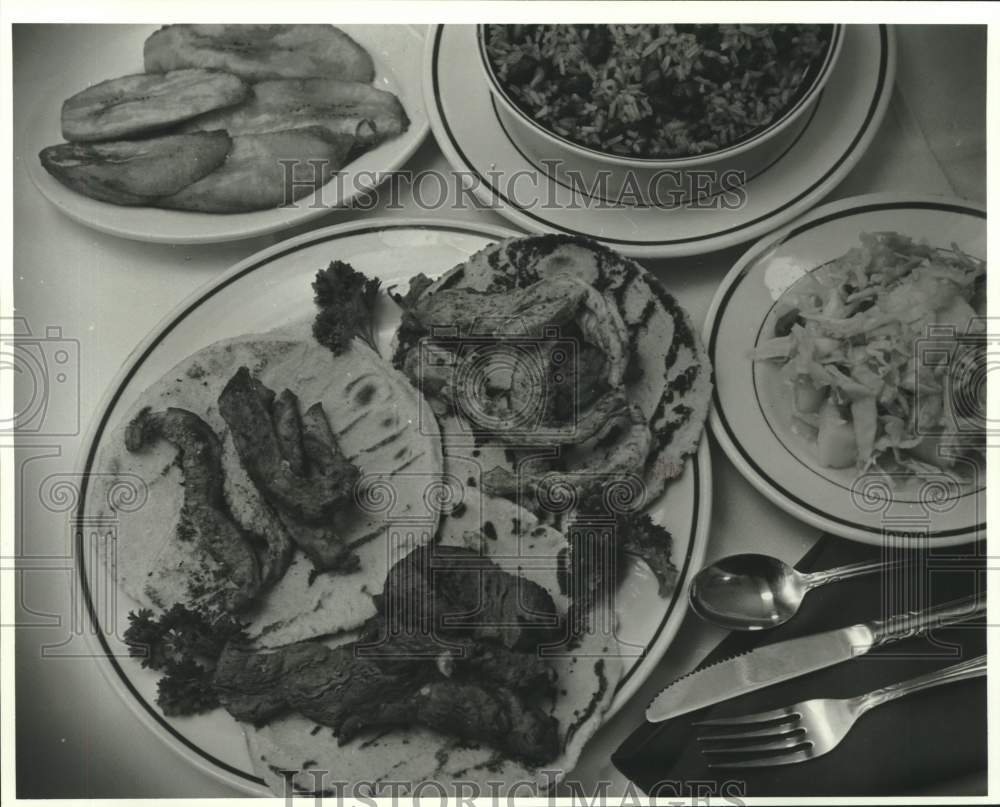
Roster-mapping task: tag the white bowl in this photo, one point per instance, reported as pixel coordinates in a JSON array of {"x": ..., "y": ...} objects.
[{"x": 663, "y": 182}]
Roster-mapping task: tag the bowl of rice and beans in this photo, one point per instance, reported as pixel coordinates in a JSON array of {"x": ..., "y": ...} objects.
[{"x": 656, "y": 114}]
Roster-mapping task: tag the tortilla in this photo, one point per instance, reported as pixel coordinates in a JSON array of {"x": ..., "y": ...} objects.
[
  {"x": 376, "y": 415},
  {"x": 675, "y": 387}
]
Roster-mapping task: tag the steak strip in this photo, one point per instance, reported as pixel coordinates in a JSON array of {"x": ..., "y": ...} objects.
[
  {"x": 453, "y": 647},
  {"x": 450, "y": 592},
  {"x": 204, "y": 514},
  {"x": 294, "y": 461},
  {"x": 338, "y": 688},
  {"x": 516, "y": 313}
]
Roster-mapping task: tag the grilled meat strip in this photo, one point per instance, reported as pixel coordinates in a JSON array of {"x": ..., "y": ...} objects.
[
  {"x": 522, "y": 672},
  {"x": 294, "y": 461},
  {"x": 518, "y": 313},
  {"x": 256, "y": 687},
  {"x": 338, "y": 688},
  {"x": 626, "y": 443},
  {"x": 204, "y": 514},
  {"x": 451, "y": 591},
  {"x": 453, "y": 648},
  {"x": 493, "y": 715}
]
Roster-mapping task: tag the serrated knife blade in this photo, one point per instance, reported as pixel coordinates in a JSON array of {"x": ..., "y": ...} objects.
[{"x": 758, "y": 668}]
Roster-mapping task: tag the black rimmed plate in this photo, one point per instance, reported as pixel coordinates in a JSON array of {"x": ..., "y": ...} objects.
[
  {"x": 267, "y": 290},
  {"x": 751, "y": 414},
  {"x": 465, "y": 122}
]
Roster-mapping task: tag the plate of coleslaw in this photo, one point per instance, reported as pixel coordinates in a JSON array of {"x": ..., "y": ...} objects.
[{"x": 851, "y": 352}]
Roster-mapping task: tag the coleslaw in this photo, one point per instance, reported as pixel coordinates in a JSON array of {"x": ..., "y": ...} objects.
[{"x": 884, "y": 348}]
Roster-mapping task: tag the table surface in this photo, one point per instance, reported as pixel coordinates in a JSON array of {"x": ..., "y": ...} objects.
[{"x": 106, "y": 293}]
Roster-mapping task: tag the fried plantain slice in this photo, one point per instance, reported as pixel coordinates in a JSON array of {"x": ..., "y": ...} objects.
[
  {"x": 267, "y": 170},
  {"x": 139, "y": 104},
  {"x": 341, "y": 107},
  {"x": 136, "y": 172},
  {"x": 258, "y": 52}
]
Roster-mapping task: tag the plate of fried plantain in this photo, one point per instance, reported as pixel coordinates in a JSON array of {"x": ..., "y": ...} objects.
[{"x": 207, "y": 133}]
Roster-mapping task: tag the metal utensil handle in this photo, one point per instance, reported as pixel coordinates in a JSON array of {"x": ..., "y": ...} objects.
[
  {"x": 971, "y": 668},
  {"x": 914, "y": 623},
  {"x": 821, "y": 578}
]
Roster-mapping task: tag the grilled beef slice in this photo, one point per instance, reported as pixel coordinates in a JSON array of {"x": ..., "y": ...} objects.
[
  {"x": 339, "y": 688},
  {"x": 294, "y": 461},
  {"x": 449, "y": 591},
  {"x": 204, "y": 516},
  {"x": 274, "y": 453},
  {"x": 469, "y": 711},
  {"x": 453, "y": 647},
  {"x": 518, "y": 312}
]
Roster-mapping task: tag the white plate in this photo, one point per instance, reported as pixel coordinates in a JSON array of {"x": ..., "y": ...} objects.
[
  {"x": 751, "y": 406},
  {"x": 397, "y": 51},
  {"x": 267, "y": 290},
  {"x": 465, "y": 123}
]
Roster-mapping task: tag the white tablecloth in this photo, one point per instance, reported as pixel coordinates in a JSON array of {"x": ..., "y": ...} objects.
[{"x": 74, "y": 736}]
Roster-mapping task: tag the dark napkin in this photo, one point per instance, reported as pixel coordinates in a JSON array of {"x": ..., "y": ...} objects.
[{"x": 900, "y": 747}]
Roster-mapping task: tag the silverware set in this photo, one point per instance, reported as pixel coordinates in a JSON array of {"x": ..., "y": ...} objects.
[{"x": 755, "y": 592}]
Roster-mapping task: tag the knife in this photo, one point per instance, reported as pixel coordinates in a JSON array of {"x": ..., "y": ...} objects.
[{"x": 781, "y": 661}]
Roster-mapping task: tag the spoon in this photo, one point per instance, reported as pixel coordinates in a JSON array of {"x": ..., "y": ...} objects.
[{"x": 754, "y": 592}]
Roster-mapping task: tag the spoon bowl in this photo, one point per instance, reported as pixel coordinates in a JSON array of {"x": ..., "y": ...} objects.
[
  {"x": 747, "y": 592},
  {"x": 756, "y": 592}
]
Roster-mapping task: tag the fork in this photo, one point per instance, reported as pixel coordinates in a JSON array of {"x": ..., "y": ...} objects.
[{"x": 811, "y": 728}]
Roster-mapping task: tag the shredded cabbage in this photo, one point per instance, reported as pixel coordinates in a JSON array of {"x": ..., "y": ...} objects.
[{"x": 882, "y": 333}]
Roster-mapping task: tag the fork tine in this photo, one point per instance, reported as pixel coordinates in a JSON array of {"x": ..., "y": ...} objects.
[
  {"x": 784, "y": 713},
  {"x": 763, "y": 762},
  {"x": 770, "y": 731},
  {"x": 753, "y": 748}
]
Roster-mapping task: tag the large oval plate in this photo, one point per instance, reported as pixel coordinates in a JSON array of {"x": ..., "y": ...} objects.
[
  {"x": 398, "y": 53},
  {"x": 269, "y": 289},
  {"x": 751, "y": 406}
]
